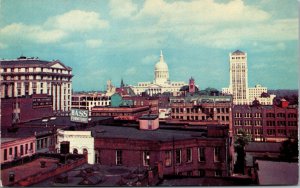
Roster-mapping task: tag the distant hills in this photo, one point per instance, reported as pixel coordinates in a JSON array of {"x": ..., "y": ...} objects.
[{"x": 283, "y": 92}]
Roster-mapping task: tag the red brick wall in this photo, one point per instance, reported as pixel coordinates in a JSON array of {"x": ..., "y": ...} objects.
[
  {"x": 27, "y": 112},
  {"x": 42, "y": 176},
  {"x": 132, "y": 154}
]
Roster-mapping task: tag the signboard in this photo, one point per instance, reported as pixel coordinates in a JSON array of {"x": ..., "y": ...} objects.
[
  {"x": 79, "y": 115},
  {"x": 41, "y": 102}
]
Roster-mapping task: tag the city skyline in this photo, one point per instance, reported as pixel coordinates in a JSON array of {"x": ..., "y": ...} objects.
[{"x": 104, "y": 40}]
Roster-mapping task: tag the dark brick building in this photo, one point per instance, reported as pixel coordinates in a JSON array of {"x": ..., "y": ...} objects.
[
  {"x": 266, "y": 123},
  {"x": 201, "y": 110},
  {"x": 22, "y": 109},
  {"x": 193, "y": 152}
]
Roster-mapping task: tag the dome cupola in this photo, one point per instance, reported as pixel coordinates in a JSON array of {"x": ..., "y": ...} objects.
[{"x": 161, "y": 71}]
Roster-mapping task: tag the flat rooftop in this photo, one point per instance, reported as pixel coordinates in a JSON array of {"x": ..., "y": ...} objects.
[
  {"x": 204, "y": 181},
  {"x": 100, "y": 175},
  {"x": 277, "y": 173},
  {"x": 28, "y": 169},
  {"x": 133, "y": 132}
]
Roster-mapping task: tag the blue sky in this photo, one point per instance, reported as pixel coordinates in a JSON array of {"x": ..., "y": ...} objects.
[{"x": 117, "y": 39}]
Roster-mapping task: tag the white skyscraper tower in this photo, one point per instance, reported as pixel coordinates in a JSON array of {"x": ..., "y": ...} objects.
[
  {"x": 239, "y": 76},
  {"x": 238, "y": 86}
]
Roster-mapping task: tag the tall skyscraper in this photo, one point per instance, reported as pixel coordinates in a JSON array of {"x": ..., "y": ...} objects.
[
  {"x": 239, "y": 76},
  {"x": 238, "y": 85}
]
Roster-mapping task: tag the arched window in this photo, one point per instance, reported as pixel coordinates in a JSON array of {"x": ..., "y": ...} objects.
[{"x": 75, "y": 151}]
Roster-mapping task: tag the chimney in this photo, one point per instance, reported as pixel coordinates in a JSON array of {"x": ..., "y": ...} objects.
[{"x": 284, "y": 103}]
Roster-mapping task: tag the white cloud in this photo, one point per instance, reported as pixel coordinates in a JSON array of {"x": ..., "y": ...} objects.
[
  {"x": 208, "y": 23},
  {"x": 32, "y": 33},
  {"x": 204, "y": 11},
  {"x": 131, "y": 71},
  {"x": 55, "y": 29},
  {"x": 2, "y": 45},
  {"x": 150, "y": 59},
  {"x": 77, "y": 20},
  {"x": 122, "y": 9},
  {"x": 93, "y": 43}
]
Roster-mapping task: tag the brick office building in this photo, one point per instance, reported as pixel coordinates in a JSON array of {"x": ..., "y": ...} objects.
[
  {"x": 121, "y": 113},
  {"x": 22, "y": 109},
  {"x": 201, "y": 152},
  {"x": 201, "y": 110},
  {"x": 266, "y": 123},
  {"x": 144, "y": 101},
  {"x": 26, "y": 76}
]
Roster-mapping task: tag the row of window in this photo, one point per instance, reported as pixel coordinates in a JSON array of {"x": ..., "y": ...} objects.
[
  {"x": 259, "y": 115},
  {"x": 222, "y": 118},
  {"x": 34, "y": 77},
  {"x": 198, "y": 110},
  {"x": 177, "y": 156},
  {"x": 17, "y": 151},
  {"x": 34, "y": 69},
  {"x": 200, "y": 172}
]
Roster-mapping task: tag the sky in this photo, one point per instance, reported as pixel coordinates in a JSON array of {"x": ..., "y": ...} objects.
[{"x": 115, "y": 39}]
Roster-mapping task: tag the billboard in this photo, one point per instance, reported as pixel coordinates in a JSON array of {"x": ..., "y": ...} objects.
[{"x": 79, "y": 115}]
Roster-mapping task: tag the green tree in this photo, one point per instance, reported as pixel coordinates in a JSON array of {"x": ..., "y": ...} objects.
[
  {"x": 289, "y": 150},
  {"x": 240, "y": 141}
]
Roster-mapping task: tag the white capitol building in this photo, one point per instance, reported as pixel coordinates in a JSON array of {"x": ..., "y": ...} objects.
[{"x": 161, "y": 81}]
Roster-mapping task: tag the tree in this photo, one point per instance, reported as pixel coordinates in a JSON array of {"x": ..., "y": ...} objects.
[
  {"x": 289, "y": 150},
  {"x": 240, "y": 141}
]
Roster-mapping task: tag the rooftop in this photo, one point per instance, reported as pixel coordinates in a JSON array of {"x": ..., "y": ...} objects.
[
  {"x": 30, "y": 62},
  {"x": 238, "y": 52},
  {"x": 133, "y": 132},
  {"x": 96, "y": 175},
  {"x": 277, "y": 173},
  {"x": 263, "y": 147},
  {"x": 30, "y": 168},
  {"x": 149, "y": 117}
]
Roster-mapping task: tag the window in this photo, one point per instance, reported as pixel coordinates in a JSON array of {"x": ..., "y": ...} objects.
[
  {"x": 189, "y": 173},
  {"x": 189, "y": 157},
  {"x": 5, "y": 154},
  {"x": 16, "y": 151},
  {"x": 178, "y": 156},
  {"x": 217, "y": 154},
  {"x": 218, "y": 173},
  {"x": 118, "y": 157},
  {"x": 75, "y": 151},
  {"x": 10, "y": 151},
  {"x": 270, "y": 131},
  {"x": 146, "y": 158},
  {"x": 31, "y": 146},
  {"x": 22, "y": 150},
  {"x": 201, "y": 173},
  {"x": 201, "y": 154},
  {"x": 168, "y": 158},
  {"x": 26, "y": 148}
]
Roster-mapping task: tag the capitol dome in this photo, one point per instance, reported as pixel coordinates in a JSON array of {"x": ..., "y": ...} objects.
[
  {"x": 161, "y": 71},
  {"x": 161, "y": 65}
]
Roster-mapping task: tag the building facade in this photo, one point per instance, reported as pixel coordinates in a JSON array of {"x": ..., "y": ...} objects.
[
  {"x": 266, "y": 123},
  {"x": 14, "y": 148},
  {"x": 121, "y": 113},
  {"x": 23, "y": 109},
  {"x": 27, "y": 76},
  {"x": 177, "y": 152},
  {"x": 81, "y": 142},
  {"x": 201, "y": 110},
  {"x": 161, "y": 81},
  {"x": 238, "y": 85},
  {"x": 88, "y": 101}
]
